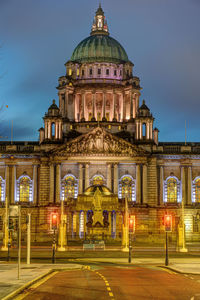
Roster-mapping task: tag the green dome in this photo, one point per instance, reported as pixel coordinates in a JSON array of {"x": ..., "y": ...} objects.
[{"x": 99, "y": 48}]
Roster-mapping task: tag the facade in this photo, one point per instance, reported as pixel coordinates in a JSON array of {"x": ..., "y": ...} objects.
[{"x": 97, "y": 150}]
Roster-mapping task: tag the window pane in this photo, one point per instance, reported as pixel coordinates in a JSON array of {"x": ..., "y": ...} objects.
[{"x": 171, "y": 190}]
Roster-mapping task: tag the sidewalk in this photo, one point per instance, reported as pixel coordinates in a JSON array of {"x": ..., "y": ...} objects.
[{"x": 28, "y": 273}]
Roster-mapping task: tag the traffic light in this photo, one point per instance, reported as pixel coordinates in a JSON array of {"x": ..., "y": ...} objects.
[
  {"x": 10, "y": 224},
  {"x": 168, "y": 223},
  {"x": 132, "y": 224},
  {"x": 54, "y": 221}
]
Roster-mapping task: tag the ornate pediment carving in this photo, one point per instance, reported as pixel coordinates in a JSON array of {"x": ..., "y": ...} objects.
[{"x": 98, "y": 141}]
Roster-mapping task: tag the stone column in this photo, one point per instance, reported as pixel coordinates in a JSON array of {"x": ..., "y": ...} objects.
[
  {"x": 80, "y": 185},
  {"x": 49, "y": 130},
  {"x": 52, "y": 184},
  {"x": 104, "y": 106},
  {"x": 85, "y": 222},
  {"x": 114, "y": 107},
  {"x": 110, "y": 222},
  {"x": 87, "y": 184},
  {"x": 46, "y": 130},
  {"x": 138, "y": 184},
  {"x": 131, "y": 105},
  {"x": 58, "y": 182},
  {"x": 13, "y": 185},
  {"x": 183, "y": 184},
  {"x": 140, "y": 130},
  {"x": 137, "y": 102},
  {"x": 144, "y": 184},
  {"x": 60, "y": 130},
  {"x": 124, "y": 107},
  {"x": 83, "y": 107},
  {"x": 161, "y": 185},
  {"x": 136, "y": 131},
  {"x": 35, "y": 186},
  {"x": 189, "y": 197},
  {"x": 66, "y": 104},
  {"x": 151, "y": 130},
  {"x": 116, "y": 179},
  {"x": 93, "y": 106},
  {"x": 109, "y": 176},
  {"x": 7, "y": 177},
  {"x": 134, "y": 106},
  {"x": 147, "y": 130}
]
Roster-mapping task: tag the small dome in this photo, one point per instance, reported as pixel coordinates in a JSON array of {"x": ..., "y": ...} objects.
[
  {"x": 99, "y": 48},
  {"x": 102, "y": 188}
]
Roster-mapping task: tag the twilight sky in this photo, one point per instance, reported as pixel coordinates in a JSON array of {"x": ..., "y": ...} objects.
[{"x": 161, "y": 38}]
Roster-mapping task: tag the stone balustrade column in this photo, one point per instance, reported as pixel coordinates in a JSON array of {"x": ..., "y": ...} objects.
[
  {"x": 58, "y": 182},
  {"x": 13, "y": 185},
  {"x": 87, "y": 183},
  {"x": 138, "y": 184},
  {"x": 161, "y": 185},
  {"x": 116, "y": 179},
  {"x": 80, "y": 185},
  {"x": 189, "y": 197},
  {"x": 35, "y": 184},
  {"x": 144, "y": 183}
]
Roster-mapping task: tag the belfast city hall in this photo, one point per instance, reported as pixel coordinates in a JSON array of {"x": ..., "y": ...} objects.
[{"x": 98, "y": 158}]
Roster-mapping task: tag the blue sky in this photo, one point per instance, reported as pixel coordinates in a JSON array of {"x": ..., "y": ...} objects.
[{"x": 161, "y": 38}]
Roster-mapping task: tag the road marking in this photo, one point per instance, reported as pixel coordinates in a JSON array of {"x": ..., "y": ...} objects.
[
  {"x": 168, "y": 271},
  {"x": 34, "y": 286}
]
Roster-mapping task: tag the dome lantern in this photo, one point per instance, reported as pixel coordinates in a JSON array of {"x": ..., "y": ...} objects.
[{"x": 100, "y": 24}]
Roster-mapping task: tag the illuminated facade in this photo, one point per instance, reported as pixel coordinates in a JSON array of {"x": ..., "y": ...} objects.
[{"x": 98, "y": 147}]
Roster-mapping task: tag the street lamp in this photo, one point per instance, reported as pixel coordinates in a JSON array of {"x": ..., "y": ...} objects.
[{"x": 126, "y": 227}]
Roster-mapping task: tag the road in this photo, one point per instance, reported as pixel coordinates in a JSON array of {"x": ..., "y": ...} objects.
[{"x": 116, "y": 282}]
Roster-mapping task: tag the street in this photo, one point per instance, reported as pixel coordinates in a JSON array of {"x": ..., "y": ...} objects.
[{"x": 115, "y": 282}]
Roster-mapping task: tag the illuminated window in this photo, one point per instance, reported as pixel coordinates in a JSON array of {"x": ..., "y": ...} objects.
[
  {"x": 81, "y": 224},
  {"x": 196, "y": 190},
  {"x": 73, "y": 223},
  {"x": 98, "y": 180},
  {"x": 127, "y": 188},
  {"x": 70, "y": 72},
  {"x": 172, "y": 190},
  {"x": 2, "y": 189},
  {"x": 77, "y": 72},
  {"x": 107, "y": 116},
  {"x": 24, "y": 189},
  {"x": 69, "y": 187}
]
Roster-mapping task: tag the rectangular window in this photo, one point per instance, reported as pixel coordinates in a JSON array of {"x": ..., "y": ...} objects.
[
  {"x": 99, "y": 71},
  {"x": 107, "y": 116},
  {"x": 195, "y": 224},
  {"x": 90, "y": 71},
  {"x": 107, "y": 71},
  {"x": 120, "y": 72},
  {"x": 83, "y": 73},
  {"x": 115, "y": 72}
]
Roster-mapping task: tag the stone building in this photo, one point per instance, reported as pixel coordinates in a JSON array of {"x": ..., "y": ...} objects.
[{"x": 99, "y": 149}]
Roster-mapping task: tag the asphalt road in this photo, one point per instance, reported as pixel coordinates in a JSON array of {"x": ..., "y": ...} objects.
[{"x": 116, "y": 282}]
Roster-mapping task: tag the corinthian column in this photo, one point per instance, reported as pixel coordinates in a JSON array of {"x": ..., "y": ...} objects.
[
  {"x": 115, "y": 178},
  {"x": 144, "y": 183},
  {"x": 131, "y": 105},
  {"x": 104, "y": 106},
  {"x": 114, "y": 107},
  {"x": 109, "y": 176},
  {"x": 35, "y": 169},
  {"x": 7, "y": 176},
  {"x": 161, "y": 184},
  {"x": 80, "y": 186},
  {"x": 51, "y": 186},
  {"x": 93, "y": 106},
  {"x": 83, "y": 107},
  {"x": 13, "y": 190},
  {"x": 58, "y": 182},
  {"x": 138, "y": 184},
  {"x": 87, "y": 176},
  {"x": 183, "y": 184},
  {"x": 189, "y": 186}
]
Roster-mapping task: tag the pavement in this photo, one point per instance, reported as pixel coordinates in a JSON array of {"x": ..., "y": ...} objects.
[{"x": 10, "y": 284}]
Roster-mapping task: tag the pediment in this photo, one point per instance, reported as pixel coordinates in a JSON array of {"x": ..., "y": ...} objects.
[{"x": 98, "y": 141}]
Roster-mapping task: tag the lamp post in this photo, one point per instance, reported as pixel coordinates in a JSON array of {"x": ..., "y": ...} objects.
[{"x": 126, "y": 227}]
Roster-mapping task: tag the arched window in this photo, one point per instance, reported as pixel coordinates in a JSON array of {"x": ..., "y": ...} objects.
[
  {"x": 172, "y": 190},
  {"x": 196, "y": 190},
  {"x": 24, "y": 189},
  {"x": 97, "y": 180},
  {"x": 69, "y": 187},
  {"x": 2, "y": 189},
  {"x": 127, "y": 187}
]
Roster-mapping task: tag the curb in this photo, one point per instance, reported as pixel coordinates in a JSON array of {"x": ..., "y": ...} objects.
[
  {"x": 178, "y": 271},
  {"x": 26, "y": 285}
]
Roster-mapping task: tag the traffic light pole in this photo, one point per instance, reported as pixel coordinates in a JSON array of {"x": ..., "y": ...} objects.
[{"x": 166, "y": 253}]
